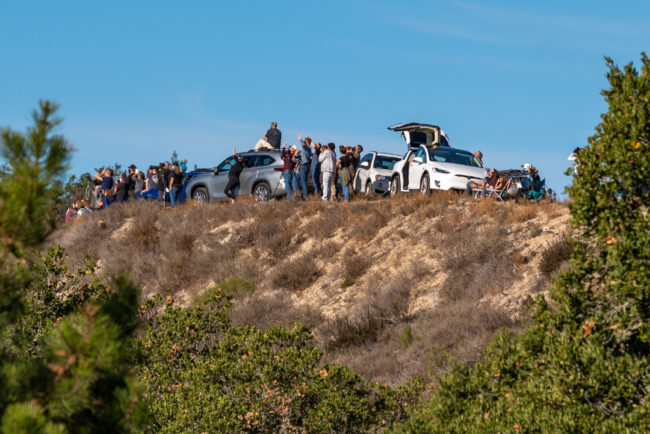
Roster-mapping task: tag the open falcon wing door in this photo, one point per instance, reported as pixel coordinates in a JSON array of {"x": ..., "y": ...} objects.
[{"x": 416, "y": 134}]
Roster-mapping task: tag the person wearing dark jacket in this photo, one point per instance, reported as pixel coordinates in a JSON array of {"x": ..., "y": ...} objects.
[{"x": 233, "y": 177}]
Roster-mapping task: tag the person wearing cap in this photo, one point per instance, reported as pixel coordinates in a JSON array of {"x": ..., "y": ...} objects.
[
  {"x": 233, "y": 177},
  {"x": 290, "y": 181}
]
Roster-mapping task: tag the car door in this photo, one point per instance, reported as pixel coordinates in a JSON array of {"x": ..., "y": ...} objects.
[
  {"x": 219, "y": 179},
  {"x": 248, "y": 174},
  {"x": 363, "y": 172},
  {"x": 417, "y": 168}
]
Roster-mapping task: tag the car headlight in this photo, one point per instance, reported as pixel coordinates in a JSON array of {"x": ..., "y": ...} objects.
[{"x": 440, "y": 170}]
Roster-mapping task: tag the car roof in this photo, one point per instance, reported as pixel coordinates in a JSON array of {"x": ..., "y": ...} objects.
[
  {"x": 445, "y": 148},
  {"x": 386, "y": 154}
]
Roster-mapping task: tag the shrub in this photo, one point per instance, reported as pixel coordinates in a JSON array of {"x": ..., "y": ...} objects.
[
  {"x": 556, "y": 253},
  {"x": 584, "y": 362},
  {"x": 295, "y": 274},
  {"x": 202, "y": 374}
]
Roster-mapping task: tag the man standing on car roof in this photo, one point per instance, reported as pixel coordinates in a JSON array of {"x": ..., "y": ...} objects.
[{"x": 233, "y": 176}]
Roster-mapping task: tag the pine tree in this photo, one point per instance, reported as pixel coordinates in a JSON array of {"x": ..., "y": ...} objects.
[
  {"x": 66, "y": 344},
  {"x": 36, "y": 159}
]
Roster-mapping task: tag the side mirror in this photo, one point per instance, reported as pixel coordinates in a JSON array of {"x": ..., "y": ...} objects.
[
  {"x": 365, "y": 165},
  {"x": 418, "y": 160}
]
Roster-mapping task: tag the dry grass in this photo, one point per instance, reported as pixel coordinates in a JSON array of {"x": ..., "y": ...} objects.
[
  {"x": 295, "y": 274},
  {"x": 556, "y": 254},
  {"x": 522, "y": 212},
  {"x": 298, "y": 253}
]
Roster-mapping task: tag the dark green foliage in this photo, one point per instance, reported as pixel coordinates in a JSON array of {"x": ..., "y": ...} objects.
[
  {"x": 584, "y": 363},
  {"x": 66, "y": 346},
  {"x": 204, "y": 375},
  {"x": 37, "y": 159},
  {"x": 67, "y": 358}
]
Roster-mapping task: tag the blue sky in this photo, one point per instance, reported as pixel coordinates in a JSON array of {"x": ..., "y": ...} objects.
[{"x": 520, "y": 81}]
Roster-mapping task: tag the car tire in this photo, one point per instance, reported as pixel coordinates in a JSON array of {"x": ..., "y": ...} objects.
[
  {"x": 368, "y": 188},
  {"x": 262, "y": 192},
  {"x": 201, "y": 195},
  {"x": 394, "y": 186},
  {"x": 425, "y": 184}
]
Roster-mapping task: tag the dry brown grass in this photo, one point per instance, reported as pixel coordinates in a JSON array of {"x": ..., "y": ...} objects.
[
  {"x": 522, "y": 212},
  {"x": 295, "y": 274},
  {"x": 291, "y": 249}
]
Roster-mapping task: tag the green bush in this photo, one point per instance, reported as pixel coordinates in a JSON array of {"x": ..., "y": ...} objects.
[
  {"x": 584, "y": 363},
  {"x": 202, "y": 374}
]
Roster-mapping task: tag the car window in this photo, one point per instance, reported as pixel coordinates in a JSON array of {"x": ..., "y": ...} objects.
[
  {"x": 249, "y": 161},
  {"x": 264, "y": 160},
  {"x": 366, "y": 157},
  {"x": 421, "y": 153},
  {"x": 443, "y": 141},
  {"x": 226, "y": 165},
  {"x": 384, "y": 162},
  {"x": 454, "y": 156}
]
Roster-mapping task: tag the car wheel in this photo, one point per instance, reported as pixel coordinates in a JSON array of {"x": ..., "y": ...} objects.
[
  {"x": 425, "y": 184},
  {"x": 368, "y": 188},
  {"x": 262, "y": 192},
  {"x": 394, "y": 185},
  {"x": 201, "y": 195}
]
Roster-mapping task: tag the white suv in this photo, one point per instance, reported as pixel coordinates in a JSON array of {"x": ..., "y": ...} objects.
[
  {"x": 374, "y": 172},
  {"x": 430, "y": 163}
]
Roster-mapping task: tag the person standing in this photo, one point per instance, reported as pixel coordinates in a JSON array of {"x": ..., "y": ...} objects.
[
  {"x": 314, "y": 168},
  {"x": 344, "y": 165},
  {"x": 130, "y": 181},
  {"x": 175, "y": 185},
  {"x": 233, "y": 177},
  {"x": 327, "y": 161},
  {"x": 305, "y": 161},
  {"x": 271, "y": 140},
  {"x": 139, "y": 185},
  {"x": 290, "y": 182},
  {"x": 163, "y": 181}
]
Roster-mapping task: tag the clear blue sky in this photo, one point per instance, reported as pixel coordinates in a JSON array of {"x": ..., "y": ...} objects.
[{"x": 136, "y": 80}]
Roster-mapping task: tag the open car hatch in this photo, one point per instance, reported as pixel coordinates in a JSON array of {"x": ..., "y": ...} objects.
[{"x": 417, "y": 134}]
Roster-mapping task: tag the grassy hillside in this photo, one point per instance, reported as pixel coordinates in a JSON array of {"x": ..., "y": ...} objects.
[{"x": 387, "y": 287}]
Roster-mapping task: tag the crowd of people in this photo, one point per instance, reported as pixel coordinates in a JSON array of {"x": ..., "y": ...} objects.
[
  {"x": 331, "y": 176},
  {"x": 162, "y": 182}
]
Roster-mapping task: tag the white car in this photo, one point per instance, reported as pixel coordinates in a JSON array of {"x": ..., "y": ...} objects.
[
  {"x": 374, "y": 172},
  {"x": 430, "y": 162}
]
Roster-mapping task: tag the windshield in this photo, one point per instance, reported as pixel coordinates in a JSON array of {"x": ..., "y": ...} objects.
[
  {"x": 385, "y": 162},
  {"x": 454, "y": 156}
]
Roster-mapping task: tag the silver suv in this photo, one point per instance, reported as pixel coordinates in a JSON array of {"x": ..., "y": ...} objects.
[{"x": 261, "y": 177}]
